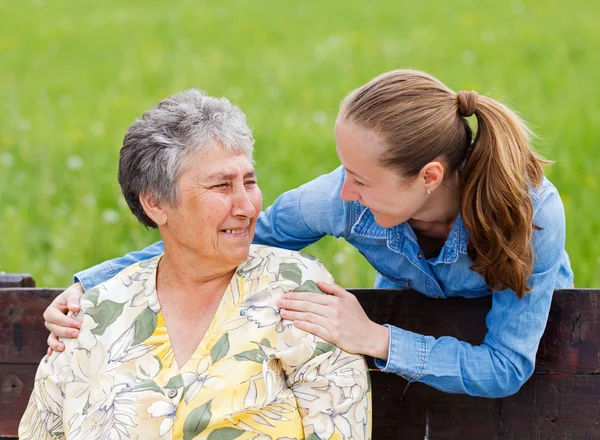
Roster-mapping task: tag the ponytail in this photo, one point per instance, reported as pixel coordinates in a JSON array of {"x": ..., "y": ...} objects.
[{"x": 495, "y": 199}]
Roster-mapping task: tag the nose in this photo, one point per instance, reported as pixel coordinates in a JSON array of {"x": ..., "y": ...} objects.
[
  {"x": 347, "y": 193},
  {"x": 242, "y": 204}
]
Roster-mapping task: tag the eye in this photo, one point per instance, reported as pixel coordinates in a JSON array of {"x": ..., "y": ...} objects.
[
  {"x": 221, "y": 185},
  {"x": 250, "y": 182},
  {"x": 357, "y": 183}
]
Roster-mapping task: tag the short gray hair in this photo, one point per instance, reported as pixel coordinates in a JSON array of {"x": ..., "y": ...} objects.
[{"x": 156, "y": 147}]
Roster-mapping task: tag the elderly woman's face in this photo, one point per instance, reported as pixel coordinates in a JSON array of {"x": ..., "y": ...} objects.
[{"x": 219, "y": 203}]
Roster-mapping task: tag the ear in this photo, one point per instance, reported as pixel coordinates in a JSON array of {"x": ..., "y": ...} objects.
[
  {"x": 433, "y": 174},
  {"x": 153, "y": 209}
]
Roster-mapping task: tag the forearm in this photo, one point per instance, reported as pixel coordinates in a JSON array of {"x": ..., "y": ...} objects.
[
  {"x": 454, "y": 366},
  {"x": 304, "y": 215},
  {"x": 93, "y": 276}
]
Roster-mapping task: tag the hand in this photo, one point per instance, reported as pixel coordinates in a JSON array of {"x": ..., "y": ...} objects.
[
  {"x": 337, "y": 318},
  {"x": 56, "y": 320}
]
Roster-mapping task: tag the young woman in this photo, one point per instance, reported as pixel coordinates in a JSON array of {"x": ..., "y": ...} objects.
[{"x": 432, "y": 207}]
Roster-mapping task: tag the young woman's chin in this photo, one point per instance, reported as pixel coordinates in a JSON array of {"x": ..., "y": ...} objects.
[{"x": 387, "y": 221}]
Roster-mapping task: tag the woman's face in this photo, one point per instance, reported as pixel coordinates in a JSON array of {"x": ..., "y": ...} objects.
[
  {"x": 391, "y": 199},
  {"x": 219, "y": 203}
]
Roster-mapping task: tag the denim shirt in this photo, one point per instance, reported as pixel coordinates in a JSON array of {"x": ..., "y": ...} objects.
[{"x": 506, "y": 358}]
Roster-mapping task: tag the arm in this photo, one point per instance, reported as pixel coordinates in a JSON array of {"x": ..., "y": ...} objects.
[
  {"x": 332, "y": 387},
  {"x": 43, "y": 417},
  {"x": 104, "y": 271},
  {"x": 304, "y": 215},
  {"x": 506, "y": 358},
  {"x": 62, "y": 326}
]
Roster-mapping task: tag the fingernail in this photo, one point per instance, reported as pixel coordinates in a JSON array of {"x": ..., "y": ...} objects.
[{"x": 74, "y": 333}]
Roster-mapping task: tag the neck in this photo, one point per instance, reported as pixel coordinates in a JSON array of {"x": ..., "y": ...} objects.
[
  {"x": 184, "y": 271},
  {"x": 443, "y": 204}
]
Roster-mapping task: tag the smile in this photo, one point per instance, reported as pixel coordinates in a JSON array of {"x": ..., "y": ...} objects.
[{"x": 236, "y": 231}]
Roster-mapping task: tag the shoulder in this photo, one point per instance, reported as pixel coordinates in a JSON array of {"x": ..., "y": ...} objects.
[
  {"x": 547, "y": 204},
  {"x": 285, "y": 258},
  {"x": 286, "y": 266},
  {"x": 323, "y": 192},
  {"x": 122, "y": 287}
]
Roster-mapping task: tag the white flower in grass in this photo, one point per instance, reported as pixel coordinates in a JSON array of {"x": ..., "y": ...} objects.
[
  {"x": 7, "y": 160},
  {"x": 110, "y": 216},
  {"x": 74, "y": 162}
]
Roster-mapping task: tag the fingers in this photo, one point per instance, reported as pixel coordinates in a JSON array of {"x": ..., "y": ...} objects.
[
  {"x": 315, "y": 298},
  {"x": 55, "y": 315},
  {"x": 69, "y": 299},
  {"x": 73, "y": 296},
  {"x": 54, "y": 344},
  {"x": 59, "y": 331},
  {"x": 305, "y": 317},
  {"x": 315, "y": 329},
  {"x": 301, "y": 306},
  {"x": 333, "y": 289}
]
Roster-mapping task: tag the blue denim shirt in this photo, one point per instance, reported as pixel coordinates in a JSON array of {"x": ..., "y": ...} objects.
[{"x": 506, "y": 358}]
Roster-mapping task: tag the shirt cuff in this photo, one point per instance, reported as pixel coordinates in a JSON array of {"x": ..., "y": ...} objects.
[
  {"x": 90, "y": 278},
  {"x": 407, "y": 354}
]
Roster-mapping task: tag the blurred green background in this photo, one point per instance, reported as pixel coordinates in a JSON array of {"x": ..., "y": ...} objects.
[{"x": 74, "y": 74}]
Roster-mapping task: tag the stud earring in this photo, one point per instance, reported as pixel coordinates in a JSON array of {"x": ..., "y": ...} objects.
[{"x": 428, "y": 191}]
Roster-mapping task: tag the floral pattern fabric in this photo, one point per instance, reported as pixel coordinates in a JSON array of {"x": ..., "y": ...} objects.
[{"x": 253, "y": 375}]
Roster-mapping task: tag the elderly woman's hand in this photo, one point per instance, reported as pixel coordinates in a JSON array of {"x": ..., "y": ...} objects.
[
  {"x": 337, "y": 318},
  {"x": 56, "y": 320}
]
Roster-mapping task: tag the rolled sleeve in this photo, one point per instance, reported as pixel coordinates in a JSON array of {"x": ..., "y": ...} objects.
[{"x": 403, "y": 342}]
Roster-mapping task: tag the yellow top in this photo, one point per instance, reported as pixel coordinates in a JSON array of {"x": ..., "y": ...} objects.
[{"x": 253, "y": 376}]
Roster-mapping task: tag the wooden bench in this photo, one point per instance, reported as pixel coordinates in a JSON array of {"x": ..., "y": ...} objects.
[{"x": 560, "y": 401}]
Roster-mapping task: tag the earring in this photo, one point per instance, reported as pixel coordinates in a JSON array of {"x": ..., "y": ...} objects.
[{"x": 428, "y": 191}]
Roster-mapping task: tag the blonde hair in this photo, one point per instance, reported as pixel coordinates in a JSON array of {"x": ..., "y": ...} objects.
[{"x": 420, "y": 119}]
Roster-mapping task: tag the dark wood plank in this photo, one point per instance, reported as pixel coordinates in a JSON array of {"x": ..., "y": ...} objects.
[
  {"x": 16, "y": 280},
  {"x": 547, "y": 407},
  {"x": 22, "y": 332},
  {"x": 571, "y": 342},
  {"x": 16, "y": 382}
]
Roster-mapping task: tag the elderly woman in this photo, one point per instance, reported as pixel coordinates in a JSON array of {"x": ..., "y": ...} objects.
[{"x": 190, "y": 344}]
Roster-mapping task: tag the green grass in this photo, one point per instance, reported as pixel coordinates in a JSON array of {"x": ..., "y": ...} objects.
[{"x": 74, "y": 74}]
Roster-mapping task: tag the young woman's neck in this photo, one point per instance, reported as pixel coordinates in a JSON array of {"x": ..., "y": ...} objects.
[{"x": 443, "y": 204}]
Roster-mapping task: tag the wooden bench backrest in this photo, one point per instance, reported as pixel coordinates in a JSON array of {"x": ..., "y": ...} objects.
[{"x": 560, "y": 401}]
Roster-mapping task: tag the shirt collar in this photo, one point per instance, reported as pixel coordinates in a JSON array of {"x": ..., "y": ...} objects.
[{"x": 366, "y": 226}]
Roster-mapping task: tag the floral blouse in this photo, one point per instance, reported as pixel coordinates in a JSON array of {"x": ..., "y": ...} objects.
[{"x": 253, "y": 376}]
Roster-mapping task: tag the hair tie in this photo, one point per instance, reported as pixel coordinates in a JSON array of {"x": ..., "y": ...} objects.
[{"x": 467, "y": 102}]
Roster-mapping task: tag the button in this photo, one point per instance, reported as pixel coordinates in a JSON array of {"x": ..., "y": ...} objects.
[
  {"x": 419, "y": 256},
  {"x": 172, "y": 393}
]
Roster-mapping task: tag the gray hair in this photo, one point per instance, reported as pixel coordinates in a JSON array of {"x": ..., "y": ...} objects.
[{"x": 156, "y": 148}]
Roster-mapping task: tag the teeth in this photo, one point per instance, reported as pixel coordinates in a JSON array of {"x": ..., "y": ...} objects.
[{"x": 235, "y": 231}]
